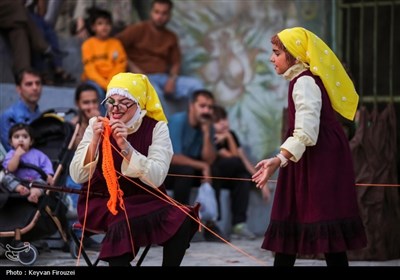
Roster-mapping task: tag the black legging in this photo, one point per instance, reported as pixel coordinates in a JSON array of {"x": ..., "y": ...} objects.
[
  {"x": 233, "y": 167},
  {"x": 182, "y": 185},
  {"x": 174, "y": 248},
  {"x": 332, "y": 259}
]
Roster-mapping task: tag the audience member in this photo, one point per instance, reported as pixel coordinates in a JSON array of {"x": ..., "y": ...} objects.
[
  {"x": 21, "y": 140},
  {"x": 88, "y": 103},
  {"x": 192, "y": 138},
  {"x": 53, "y": 9},
  {"x": 55, "y": 73},
  {"x": 154, "y": 50},
  {"x": 23, "y": 35},
  {"x": 26, "y": 109},
  {"x": 102, "y": 56},
  {"x": 232, "y": 162},
  {"x": 120, "y": 10}
]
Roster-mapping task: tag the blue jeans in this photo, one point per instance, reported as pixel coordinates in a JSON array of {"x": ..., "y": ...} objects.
[
  {"x": 74, "y": 197},
  {"x": 185, "y": 86},
  {"x": 51, "y": 38}
]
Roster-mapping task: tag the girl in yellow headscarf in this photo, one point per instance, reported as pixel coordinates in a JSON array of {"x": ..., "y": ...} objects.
[
  {"x": 315, "y": 207},
  {"x": 132, "y": 140}
]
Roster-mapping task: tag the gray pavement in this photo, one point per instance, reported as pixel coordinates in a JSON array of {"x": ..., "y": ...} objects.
[{"x": 238, "y": 253}]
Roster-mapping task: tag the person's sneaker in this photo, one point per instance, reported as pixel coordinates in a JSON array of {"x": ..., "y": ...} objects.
[{"x": 242, "y": 231}]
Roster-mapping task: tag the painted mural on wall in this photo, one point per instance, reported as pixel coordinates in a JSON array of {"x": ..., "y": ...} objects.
[{"x": 227, "y": 44}]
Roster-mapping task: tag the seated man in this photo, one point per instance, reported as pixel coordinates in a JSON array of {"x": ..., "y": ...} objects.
[
  {"x": 154, "y": 50},
  {"x": 25, "y": 110},
  {"x": 195, "y": 155},
  {"x": 194, "y": 150}
]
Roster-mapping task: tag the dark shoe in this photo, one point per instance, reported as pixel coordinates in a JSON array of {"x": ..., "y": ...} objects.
[
  {"x": 62, "y": 77},
  {"x": 47, "y": 79},
  {"x": 50, "y": 54},
  {"x": 211, "y": 236}
]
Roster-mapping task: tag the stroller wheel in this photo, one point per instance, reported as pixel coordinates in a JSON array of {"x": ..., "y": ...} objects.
[{"x": 28, "y": 257}]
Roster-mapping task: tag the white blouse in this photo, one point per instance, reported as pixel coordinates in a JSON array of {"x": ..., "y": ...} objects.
[
  {"x": 151, "y": 170},
  {"x": 307, "y": 101}
]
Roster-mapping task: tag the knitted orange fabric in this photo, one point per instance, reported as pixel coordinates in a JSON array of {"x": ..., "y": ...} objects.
[{"x": 109, "y": 172}]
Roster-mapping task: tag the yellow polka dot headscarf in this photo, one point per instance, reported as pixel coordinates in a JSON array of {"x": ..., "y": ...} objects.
[
  {"x": 137, "y": 87},
  {"x": 308, "y": 48}
]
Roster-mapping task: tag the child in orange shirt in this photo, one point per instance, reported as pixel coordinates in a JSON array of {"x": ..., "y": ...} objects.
[{"x": 102, "y": 56}]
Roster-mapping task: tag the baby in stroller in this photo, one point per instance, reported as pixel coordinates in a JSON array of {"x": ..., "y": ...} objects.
[
  {"x": 21, "y": 139},
  {"x": 28, "y": 213},
  {"x": 16, "y": 165}
]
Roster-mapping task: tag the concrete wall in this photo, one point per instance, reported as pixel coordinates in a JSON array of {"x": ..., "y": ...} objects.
[{"x": 52, "y": 97}]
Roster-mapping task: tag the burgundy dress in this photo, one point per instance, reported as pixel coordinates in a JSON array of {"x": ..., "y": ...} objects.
[
  {"x": 315, "y": 206},
  {"x": 151, "y": 220}
]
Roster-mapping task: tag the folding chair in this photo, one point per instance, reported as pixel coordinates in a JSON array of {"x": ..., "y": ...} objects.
[{"x": 76, "y": 244}]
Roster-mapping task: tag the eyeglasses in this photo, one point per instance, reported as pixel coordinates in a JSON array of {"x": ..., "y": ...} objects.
[{"x": 122, "y": 107}]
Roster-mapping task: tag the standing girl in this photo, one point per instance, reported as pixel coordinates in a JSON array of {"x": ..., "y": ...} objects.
[{"x": 315, "y": 208}]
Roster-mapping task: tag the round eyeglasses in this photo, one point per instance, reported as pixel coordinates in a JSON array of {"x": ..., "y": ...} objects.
[{"x": 122, "y": 107}]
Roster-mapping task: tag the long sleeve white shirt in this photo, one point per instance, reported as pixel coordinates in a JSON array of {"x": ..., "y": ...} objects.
[
  {"x": 307, "y": 101},
  {"x": 151, "y": 170}
]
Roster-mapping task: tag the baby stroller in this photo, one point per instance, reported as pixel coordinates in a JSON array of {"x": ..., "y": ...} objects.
[{"x": 22, "y": 222}]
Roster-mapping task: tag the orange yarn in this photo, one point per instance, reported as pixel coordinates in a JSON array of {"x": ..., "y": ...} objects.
[{"x": 109, "y": 172}]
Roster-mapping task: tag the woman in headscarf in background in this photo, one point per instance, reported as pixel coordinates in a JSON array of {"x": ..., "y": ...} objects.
[
  {"x": 127, "y": 155},
  {"x": 315, "y": 206}
]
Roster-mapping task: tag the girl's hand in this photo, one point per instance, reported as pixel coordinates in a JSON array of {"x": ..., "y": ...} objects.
[
  {"x": 19, "y": 151},
  {"x": 119, "y": 132},
  {"x": 220, "y": 137},
  {"x": 50, "y": 180},
  {"x": 265, "y": 169},
  {"x": 34, "y": 195},
  {"x": 22, "y": 190},
  {"x": 169, "y": 88},
  {"x": 98, "y": 129}
]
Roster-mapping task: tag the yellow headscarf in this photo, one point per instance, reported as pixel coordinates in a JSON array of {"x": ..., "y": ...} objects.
[
  {"x": 308, "y": 48},
  {"x": 138, "y": 88}
]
